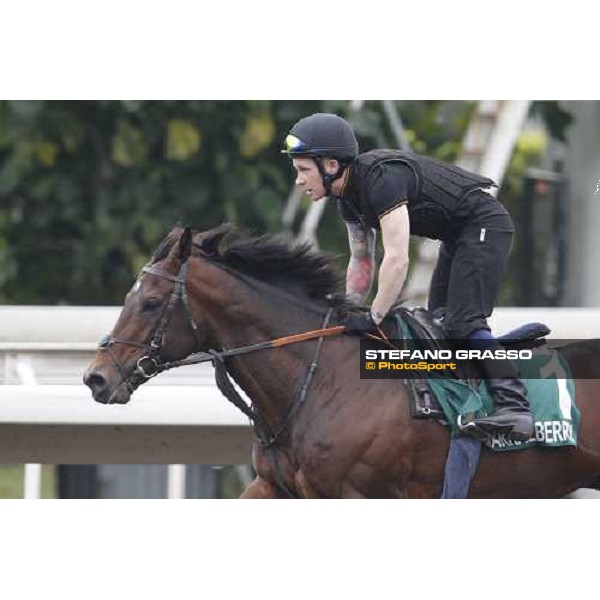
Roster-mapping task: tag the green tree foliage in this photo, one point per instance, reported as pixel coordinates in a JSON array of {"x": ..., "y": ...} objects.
[{"x": 88, "y": 189}]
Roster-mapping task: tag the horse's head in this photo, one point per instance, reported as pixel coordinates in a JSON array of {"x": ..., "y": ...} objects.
[
  {"x": 155, "y": 325},
  {"x": 241, "y": 285}
]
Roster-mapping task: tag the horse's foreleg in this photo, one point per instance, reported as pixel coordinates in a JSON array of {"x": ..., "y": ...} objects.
[{"x": 259, "y": 489}]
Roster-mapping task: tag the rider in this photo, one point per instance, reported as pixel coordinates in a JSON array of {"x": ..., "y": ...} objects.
[{"x": 401, "y": 193}]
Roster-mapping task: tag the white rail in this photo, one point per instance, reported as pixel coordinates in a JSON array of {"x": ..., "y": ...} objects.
[
  {"x": 47, "y": 415},
  {"x": 77, "y": 328},
  {"x": 177, "y": 418}
]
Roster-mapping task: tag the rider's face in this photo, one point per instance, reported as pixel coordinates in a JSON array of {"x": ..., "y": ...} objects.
[{"x": 308, "y": 177}]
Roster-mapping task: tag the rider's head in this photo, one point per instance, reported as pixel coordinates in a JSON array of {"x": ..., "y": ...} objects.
[{"x": 321, "y": 146}]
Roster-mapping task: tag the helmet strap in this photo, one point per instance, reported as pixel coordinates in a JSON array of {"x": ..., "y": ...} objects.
[{"x": 328, "y": 178}]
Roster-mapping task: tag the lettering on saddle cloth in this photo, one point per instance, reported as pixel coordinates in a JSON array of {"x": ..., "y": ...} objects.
[{"x": 546, "y": 432}]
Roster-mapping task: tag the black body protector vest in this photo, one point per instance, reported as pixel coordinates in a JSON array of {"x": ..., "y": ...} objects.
[{"x": 441, "y": 189}]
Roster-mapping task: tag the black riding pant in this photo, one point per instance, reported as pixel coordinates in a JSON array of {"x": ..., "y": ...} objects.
[{"x": 467, "y": 278}]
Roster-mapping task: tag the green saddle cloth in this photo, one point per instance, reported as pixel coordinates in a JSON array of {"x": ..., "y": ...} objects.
[{"x": 551, "y": 393}]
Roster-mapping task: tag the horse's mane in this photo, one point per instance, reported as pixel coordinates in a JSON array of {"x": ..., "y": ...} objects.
[{"x": 273, "y": 259}]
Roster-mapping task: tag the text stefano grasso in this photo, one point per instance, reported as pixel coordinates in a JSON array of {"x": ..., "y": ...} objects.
[{"x": 499, "y": 354}]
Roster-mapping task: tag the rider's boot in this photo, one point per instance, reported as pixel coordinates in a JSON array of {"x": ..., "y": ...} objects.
[{"x": 512, "y": 413}]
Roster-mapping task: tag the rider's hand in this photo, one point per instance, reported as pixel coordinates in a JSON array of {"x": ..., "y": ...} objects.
[{"x": 360, "y": 323}]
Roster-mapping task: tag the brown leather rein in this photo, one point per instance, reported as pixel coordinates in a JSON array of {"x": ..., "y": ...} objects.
[{"x": 200, "y": 357}]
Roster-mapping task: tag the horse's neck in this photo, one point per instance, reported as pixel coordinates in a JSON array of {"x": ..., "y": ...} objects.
[{"x": 272, "y": 377}]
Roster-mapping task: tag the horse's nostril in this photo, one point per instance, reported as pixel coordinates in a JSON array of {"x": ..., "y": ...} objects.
[{"x": 95, "y": 381}]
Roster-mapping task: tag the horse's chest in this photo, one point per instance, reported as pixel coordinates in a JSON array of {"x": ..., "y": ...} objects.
[{"x": 324, "y": 458}]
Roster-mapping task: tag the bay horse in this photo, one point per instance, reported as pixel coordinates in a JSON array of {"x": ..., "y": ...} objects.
[{"x": 330, "y": 433}]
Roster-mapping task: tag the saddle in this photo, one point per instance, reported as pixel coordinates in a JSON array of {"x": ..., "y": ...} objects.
[{"x": 427, "y": 333}]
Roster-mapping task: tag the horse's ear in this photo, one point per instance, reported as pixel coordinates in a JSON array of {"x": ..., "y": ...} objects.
[
  {"x": 209, "y": 242},
  {"x": 185, "y": 245}
]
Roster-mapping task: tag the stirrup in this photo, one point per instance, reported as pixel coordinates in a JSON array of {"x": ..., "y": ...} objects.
[{"x": 471, "y": 429}]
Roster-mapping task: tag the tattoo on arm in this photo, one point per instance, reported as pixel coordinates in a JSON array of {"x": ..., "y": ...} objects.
[{"x": 361, "y": 268}]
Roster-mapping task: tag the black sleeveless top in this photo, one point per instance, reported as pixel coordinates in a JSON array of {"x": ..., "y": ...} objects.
[{"x": 442, "y": 199}]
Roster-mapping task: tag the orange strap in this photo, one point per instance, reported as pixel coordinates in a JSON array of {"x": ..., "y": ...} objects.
[
  {"x": 317, "y": 333},
  {"x": 307, "y": 335}
]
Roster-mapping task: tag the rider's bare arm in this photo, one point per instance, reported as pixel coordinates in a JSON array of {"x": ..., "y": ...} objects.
[
  {"x": 361, "y": 268},
  {"x": 395, "y": 232}
]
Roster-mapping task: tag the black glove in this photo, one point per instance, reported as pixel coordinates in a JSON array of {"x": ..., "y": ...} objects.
[{"x": 360, "y": 323}]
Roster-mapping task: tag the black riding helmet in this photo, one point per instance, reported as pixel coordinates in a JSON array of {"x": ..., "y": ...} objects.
[{"x": 323, "y": 135}]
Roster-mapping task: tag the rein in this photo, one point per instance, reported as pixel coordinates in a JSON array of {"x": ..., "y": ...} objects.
[
  {"x": 266, "y": 437},
  {"x": 201, "y": 357}
]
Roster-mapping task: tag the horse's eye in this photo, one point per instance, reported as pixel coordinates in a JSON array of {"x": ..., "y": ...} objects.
[{"x": 151, "y": 304}]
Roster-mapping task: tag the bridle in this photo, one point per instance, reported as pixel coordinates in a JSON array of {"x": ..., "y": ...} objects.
[{"x": 149, "y": 365}]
